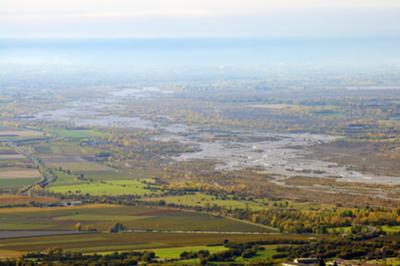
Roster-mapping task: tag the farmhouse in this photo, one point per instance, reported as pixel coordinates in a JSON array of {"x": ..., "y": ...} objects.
[
  {"x": 73, "y": 203},
  {"x": 302, "y": 261}
]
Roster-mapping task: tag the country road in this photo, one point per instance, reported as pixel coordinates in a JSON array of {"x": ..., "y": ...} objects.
[
  {"x": 47, "y": 176},
  {"x": 197, "y": 232}
]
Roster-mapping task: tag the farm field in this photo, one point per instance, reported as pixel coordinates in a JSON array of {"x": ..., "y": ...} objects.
[
  {"x": 387, "y": 261},
  {"x": 59, "y": 147},
  {"x": 109, "y": 242},
  {"x": 391, "y": 229},
  {"x": 85, "y": 167},
  {"x": 64, "y": 179},
  {"x": 102, "y": 216},
  {"x": 13, "y": 157},
  {"x": 15, "y": 173},
  {"x": 14, "y": 183},
  {"x": 175, "y": 252},
  {"x": 267, "y": 252},
  {"x": 77, "y": 160},
  {"x": 78, "y": 133},
  {"x": 10, "y": 199},
  {"x": 90, "y": 170},
  {"x": 341, "y": 230},
  {"x": 100, "y": 188},
  {"x": 204, "y": 200},
  {"x": 9, "y": 133},
  {"x": 10, "y": 158},
  {"x": 18, "y": 177},
  {"x": 4, "y": 254},
  {"x": 16, "y": 170}
]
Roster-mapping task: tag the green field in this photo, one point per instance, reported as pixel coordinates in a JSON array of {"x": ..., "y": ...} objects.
[
  {"x": 391, "y": 229},
  {"x": 17, "y": 182},
  {"x": 268, "y": 252},
  {"x": 105, "y": 173},
  {"x": 340, "y": 230},
  {"x": 90, "y": 170},
  {"x": 79, "y": 160},
  {"x": 95, "y": 178},
  {"x": 64, "y": 179},
  {"x": 78, "y": 133},
  {"x": 81, "y": 167},
  {"x": 174, "y": 253},
  {"x": 204, "y": 200},
  {"x": 63, "y": 148},
  {"x": 110, "y": 188},
  {"x": 387, "y": 261},
  {"x": 102, "y": 217}
]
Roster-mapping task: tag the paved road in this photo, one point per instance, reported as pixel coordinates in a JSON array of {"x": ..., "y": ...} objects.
[{"x": 47, "y": 176}]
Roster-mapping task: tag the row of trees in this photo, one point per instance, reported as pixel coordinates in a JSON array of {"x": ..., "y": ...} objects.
[
  {"x": 306, "y": 221},
  {"x": 57, "y": 256},
  {"x": 344, "y": 248}
]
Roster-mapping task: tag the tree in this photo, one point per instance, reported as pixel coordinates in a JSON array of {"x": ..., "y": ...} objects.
[
  {"x": 117, "y": 227},
  {"x": 78, "y": 226},
  {"x": 184, "y": 255},
  {"x": 148, "y": 256}
]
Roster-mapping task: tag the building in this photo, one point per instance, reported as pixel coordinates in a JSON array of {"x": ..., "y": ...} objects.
[{"x": 302, "y": 261}]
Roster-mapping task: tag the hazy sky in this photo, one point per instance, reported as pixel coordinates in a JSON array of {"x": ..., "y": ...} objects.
[{"x": 199, "y": 18}]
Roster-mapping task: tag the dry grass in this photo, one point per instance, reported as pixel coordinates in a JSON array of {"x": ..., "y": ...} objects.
[
  {"x": 5, "y": 253},
  {"x": 20, "y": 133},
  {"x": 9, "y": 173},
  {"x": 33, "y": 209},
  {"x": 276, "y": 106},
  {"x": 7, "y": 199},
  {"x": 80, "y": 166},
  {"x": 11, "y": 156}
]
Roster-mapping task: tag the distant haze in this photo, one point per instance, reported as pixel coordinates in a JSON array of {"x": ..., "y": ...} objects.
[
  {"x": 199, "y": 18},
  {"x": 237, "y": 36},
  {"x": 203, "y": 52}
]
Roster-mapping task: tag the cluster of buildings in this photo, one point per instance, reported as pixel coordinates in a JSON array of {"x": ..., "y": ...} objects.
[
  {"x": 65, "y": 204},
  {"x": 318, "y": 262}
]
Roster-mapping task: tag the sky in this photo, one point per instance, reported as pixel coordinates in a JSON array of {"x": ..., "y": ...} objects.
[{"x": 199, "y": 18}]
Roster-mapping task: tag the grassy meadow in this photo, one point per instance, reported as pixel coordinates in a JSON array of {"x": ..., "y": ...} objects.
[
  {"x": 204, "y": 200},
  {"x": 111, "y": 188},
  {"x": 78, "y": 133}
]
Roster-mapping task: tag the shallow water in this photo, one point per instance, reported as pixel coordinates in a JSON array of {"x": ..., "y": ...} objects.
[{"x": 282, "y": 155}]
